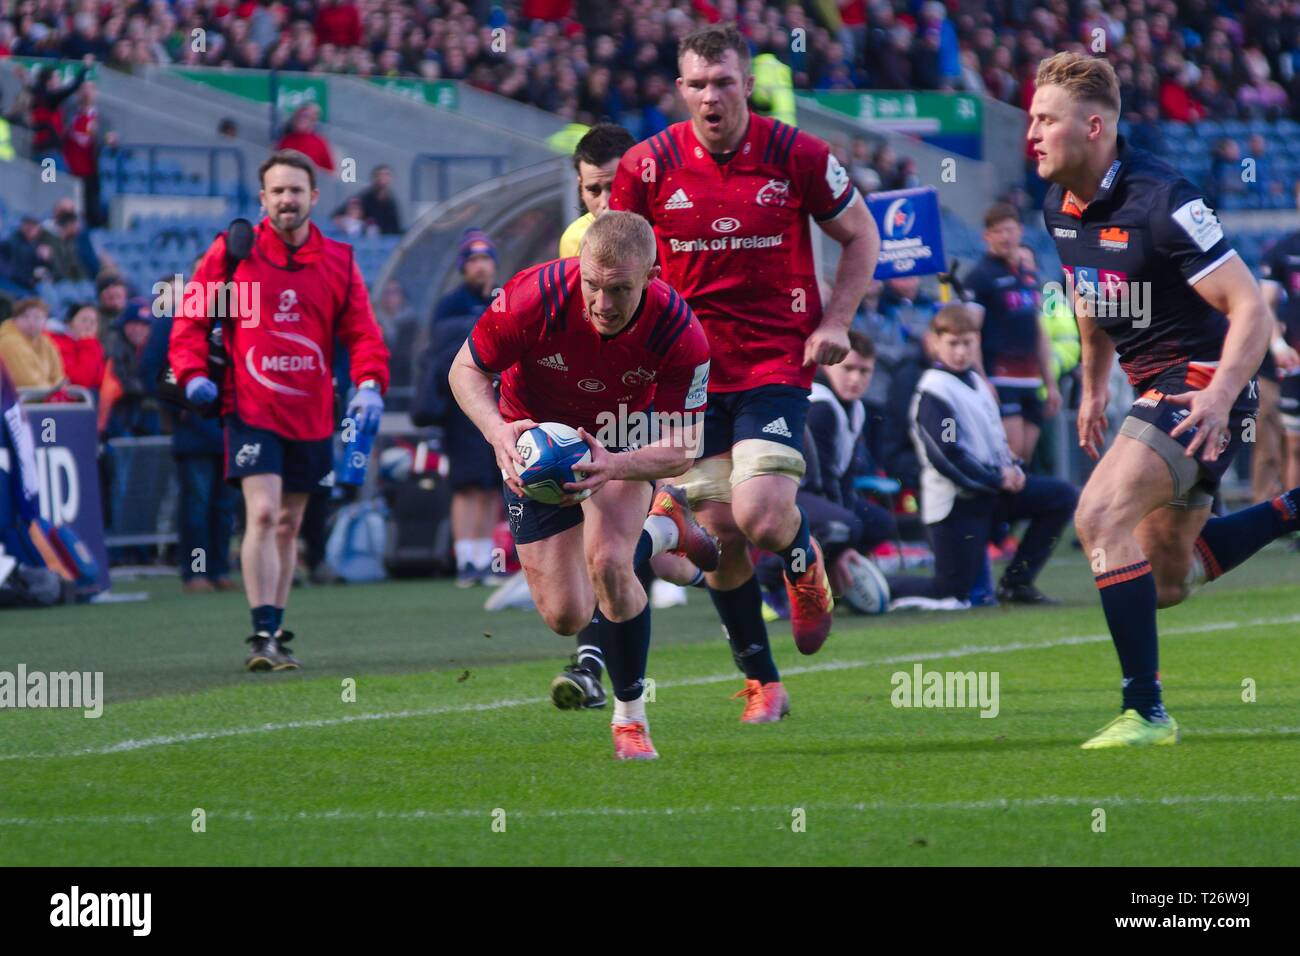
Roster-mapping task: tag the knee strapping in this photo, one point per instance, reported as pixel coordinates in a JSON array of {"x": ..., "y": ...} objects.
[
  {"x": 708, "y": 480},
  {"x": 758, "y": 456}
]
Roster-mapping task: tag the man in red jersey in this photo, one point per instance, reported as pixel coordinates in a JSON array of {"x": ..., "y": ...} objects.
[
  {"x": 285, "y": 305},
  {"x": 591, "y": 342},
  {"x": 729, "y": 195}
]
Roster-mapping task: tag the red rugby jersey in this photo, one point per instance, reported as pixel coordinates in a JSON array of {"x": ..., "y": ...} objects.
[
  {"x": 735, "y": 239},
  {"x": 555, "y": 366}
]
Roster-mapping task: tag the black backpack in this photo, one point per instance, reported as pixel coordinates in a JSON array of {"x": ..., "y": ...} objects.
[{"x": 239, "y": 245}]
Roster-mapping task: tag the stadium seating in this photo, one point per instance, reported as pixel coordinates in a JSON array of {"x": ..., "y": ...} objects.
[
  {"x": 1191, "y": 147},
  {"x": 154, "y": 246}
]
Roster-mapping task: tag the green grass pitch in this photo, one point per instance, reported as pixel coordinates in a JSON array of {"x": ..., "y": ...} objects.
[{"x": 451, "y": 753}]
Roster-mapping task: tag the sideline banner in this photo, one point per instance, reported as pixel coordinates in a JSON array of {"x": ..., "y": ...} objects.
[
  {"x": 911, "y": 239},
  {"x": 64, "y": 449}
]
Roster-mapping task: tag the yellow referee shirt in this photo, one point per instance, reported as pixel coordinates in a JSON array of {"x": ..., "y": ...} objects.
[{"x": 571, "y": 241}]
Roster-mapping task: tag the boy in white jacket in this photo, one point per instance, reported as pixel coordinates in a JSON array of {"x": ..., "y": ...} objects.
[{"x": 970, "y": 480}]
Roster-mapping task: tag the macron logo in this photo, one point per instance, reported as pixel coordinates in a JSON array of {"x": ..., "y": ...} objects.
[
  {"x": 679, "y": 200},
  {"x": 778, "y": 427},
  {"x": 555, "y": 361}
]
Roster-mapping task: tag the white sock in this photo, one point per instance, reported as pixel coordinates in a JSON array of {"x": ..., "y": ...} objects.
[
  {"x": 482, "y": 552},
  {"x": 630, "y": 711},
  {"x": 663, "y": 533},
  {"x": 1196, "y": 575},
  {"x": 464, "y": 553}
]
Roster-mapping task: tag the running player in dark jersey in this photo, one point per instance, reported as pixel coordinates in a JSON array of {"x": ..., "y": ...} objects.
[{"x": 1154, "y": 280}]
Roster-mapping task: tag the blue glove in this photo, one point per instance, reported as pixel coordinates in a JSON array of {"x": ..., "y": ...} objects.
[
  {"x": 366, "y": 407},
  {"x": 201, "y": 390}
]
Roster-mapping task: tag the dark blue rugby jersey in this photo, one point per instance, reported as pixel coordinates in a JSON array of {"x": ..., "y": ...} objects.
[
  {"x": 1282, "y": 265},
  {"x": 1009, "y": 338},
  {"x": 1146, "y": 225}
]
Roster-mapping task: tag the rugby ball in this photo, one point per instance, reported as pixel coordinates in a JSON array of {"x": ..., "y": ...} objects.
[
  {"x": 865, "y": 588},
  {"x": 550, "y": 451}
]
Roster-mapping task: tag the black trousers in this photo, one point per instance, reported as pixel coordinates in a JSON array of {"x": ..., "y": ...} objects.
[
  {"x": 836, "y": 528},
  {"x": 92, "y": 196},
  {"x": 960, "y": 539}
]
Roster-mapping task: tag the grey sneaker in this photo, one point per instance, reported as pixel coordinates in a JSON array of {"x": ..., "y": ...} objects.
[{"x": 268, "y": 653}]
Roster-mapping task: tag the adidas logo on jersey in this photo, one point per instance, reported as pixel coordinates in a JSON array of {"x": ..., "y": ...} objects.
[
  {"x": 555, "y": 361},
  {"x": 679, "y": 200},
  {"x": 778, "y": 427}
]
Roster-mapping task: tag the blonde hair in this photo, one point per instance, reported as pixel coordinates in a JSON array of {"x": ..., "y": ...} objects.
[
  {"x": 1085, "y": 78},
  {"x": 616, "y": 236}
]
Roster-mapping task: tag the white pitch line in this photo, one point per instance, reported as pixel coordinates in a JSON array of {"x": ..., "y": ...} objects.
[
  {"x": 879, "y": 806},
  {"x": 142, "y": 743},
  {"x": 125, "y": 746}
]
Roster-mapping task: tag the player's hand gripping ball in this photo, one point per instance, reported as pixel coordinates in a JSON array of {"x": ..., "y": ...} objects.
[{"x": 550, "y": 451}]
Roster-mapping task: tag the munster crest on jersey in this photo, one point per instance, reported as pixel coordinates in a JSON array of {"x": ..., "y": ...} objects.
[{"x": 775, "y": 193}]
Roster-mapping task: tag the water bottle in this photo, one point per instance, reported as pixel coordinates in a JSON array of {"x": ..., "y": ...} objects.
[{"x": 356, "y": 454}]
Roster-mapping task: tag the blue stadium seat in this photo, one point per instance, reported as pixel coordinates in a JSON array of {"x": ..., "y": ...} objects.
[{"x": 1209, "y": 129}]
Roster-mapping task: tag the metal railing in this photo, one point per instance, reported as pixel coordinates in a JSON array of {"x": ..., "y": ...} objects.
[
  {"x": 443, "y": 163},
  {"x": 153, "y": 151},
  {"x": 72, "y": 395},
  {"x": 142, "y": 493}
]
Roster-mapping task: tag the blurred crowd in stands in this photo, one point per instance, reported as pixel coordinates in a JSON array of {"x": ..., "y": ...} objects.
[{"x": 591, "y": 59}]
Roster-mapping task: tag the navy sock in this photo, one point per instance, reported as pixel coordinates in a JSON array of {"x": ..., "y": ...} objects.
[
  {"x": 1128, "y": 598},
  {"x": 1228, "y": 541},
  {"x": 741, "y": 610},
  {"x": 264, "y": 619},
  {"x": 797, "y": 556},
  {"x": 645, "y": 574},
  {"x": 589, "y": 653},
  {"x": 626, "y": 645},
  {"x": 278, "y": 622},
  {"x": 644, "y": 549}
]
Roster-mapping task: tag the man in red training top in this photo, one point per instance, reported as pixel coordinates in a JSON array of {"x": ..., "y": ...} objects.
[{"x": 287, "y": 302}]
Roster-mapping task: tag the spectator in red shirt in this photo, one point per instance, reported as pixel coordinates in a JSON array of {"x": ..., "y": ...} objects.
[
  {"x": 78, "y": 342},
  {"x": 1176, "y": 99},
  {"x": 302, "y": 136},
  {"x": 547, "y": 9},
  {"x": 338, "y": 22},
  {"x": 87, "y": 135},
  {"x": 45, "y": 118}
]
